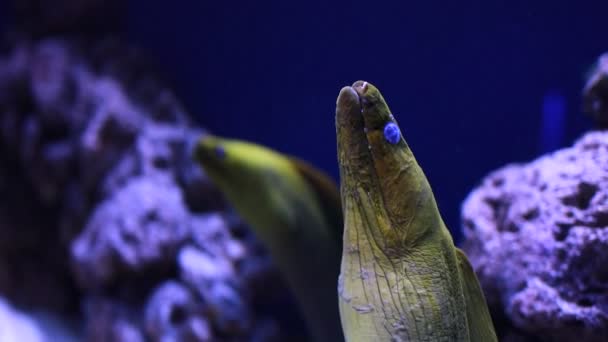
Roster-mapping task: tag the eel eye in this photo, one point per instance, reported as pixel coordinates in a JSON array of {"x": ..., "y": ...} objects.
[
  {"x": 220, "y": 152},
  {"x": 392, "y": 134}
]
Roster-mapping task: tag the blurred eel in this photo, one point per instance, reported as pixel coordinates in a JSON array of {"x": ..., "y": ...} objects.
[
  {"x": 402, "y": 278},
  {"x": 295, "y": 211}
]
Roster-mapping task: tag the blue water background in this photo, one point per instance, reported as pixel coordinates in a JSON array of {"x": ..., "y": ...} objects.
[{"x": 467, "y": 81}]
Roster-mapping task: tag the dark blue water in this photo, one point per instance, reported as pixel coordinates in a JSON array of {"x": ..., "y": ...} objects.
[
  {"x": 3, "y": 15},
  {"x": 466, "y": 81},
  {"x": 553, "y": 121}
]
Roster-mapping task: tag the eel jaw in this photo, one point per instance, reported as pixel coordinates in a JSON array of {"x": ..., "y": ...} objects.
[{"x": 354, "y": 158}]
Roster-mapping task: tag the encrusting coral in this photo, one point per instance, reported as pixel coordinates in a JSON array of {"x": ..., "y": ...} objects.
[{"x": 104, "y": 216}]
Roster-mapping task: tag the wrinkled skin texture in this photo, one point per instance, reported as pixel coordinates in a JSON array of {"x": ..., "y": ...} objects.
[
  {"x": 295, "y": 211},
  {"x": 402, "y": 278}
]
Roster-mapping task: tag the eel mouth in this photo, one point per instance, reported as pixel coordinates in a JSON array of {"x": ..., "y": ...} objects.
[
  {"x": 350, "y": 126},
  {"x": 362, "y": 115},
  {"x": 371, "y": 149},
  {"x": 354, "y": 156},
  {"x": 351, "y": 100}
]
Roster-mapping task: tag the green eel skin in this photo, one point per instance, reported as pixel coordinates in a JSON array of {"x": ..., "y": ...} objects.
[
  {"x": 402, "y": 278},
  {"x": 295, "y": 211}
]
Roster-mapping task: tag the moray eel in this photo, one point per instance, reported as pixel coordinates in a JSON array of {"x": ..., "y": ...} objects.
[
  {"x": 295, "y": 211},
  {"x": 402, "y": 278}
]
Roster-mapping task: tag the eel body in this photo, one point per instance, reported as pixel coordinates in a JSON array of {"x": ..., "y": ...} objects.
[
  {"x": 295, "y": 211},
  {"x": 402, "y": 278}
]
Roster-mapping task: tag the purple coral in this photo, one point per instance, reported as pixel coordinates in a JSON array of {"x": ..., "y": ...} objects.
[
  {"x": 104, "y": 216},
  {"x": 537, "y": 235}
]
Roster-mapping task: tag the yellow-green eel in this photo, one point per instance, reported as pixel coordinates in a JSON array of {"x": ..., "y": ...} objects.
[
  {"x": 294, "y": 209},
  {"x": 402, "y": 278}
]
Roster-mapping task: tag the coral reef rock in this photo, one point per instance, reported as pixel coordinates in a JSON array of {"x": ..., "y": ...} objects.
[
  {"x": 537, "y": 236},
  {"x": 17, "y": 325},
  {"x": 105, "y": 218}
]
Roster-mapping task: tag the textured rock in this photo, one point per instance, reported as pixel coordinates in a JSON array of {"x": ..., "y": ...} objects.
[
  {"x": 537, "y": 235},
  {"x": 174, "y": 314},
  {"x": 104, "y": 216},
  {"x": 16, "y": 326},
  {"x": 111, "y": 320},
  {"x": 112, "y": 242}
]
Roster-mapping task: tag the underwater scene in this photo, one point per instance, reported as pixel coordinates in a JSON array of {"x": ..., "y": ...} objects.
[{"x": 308, "y": 171}]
